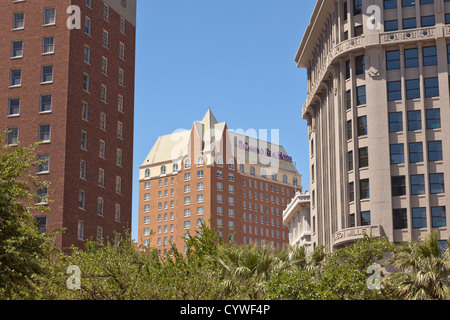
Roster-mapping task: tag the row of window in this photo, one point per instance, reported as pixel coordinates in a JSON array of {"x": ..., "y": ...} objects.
[
  {"x": 15, "y": 76},
  {"x": 387, "y": 4},
  {"x": 400, "y": 218},
  {"x": 45, "y": 105},
  {"x": 49, "y": 17},
  {"x": 18, "y": 18},
  {"x": 412, "y": 89},
  {"x": 84, "y": 136},
  {"x": 101, "y": 177},
  {"x": 416, "y": 152},
  {"x": 85, "y": 113},
  {"x": 414, "y": 120},
  {"x": 361, "y": 129},
  {"x": 392, "y": 4},
  {"x": 411, "y": 58},
  {"x": 397, "y": 154},
  {"x": 48, "y": 47},
  {"x": 165, "y": 229},
  {"x": 399, "y": 186},
  {"x": 99, "y": 234},
  {"x": 394, "y": 90},
  {"x": 250, "y": 240},
  {"x": 106, "y": 16},
  {"x": 103, "y": 87},
  {"x": 419, "y": 218},
  {"x": 101, "y": 202},
  {"x": 200, "y": 211},
  {"x": 255, "y": 241},
  {"x": 15, "y": 80},
  {"x": 411, "y": 23},
  {"x": 269, "y": 232},
  {"x": 273, "y": 188},
  {"x": 44, "y": 135},
  {"x": 200, "y": 163},
  {"x": 101, "y": 209},
  {"x": 187, "y": 225},
  {"x": 418, "y": 184}
]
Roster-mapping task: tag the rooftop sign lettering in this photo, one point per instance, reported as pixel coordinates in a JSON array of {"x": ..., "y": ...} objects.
[{"x": 264, "y": 151}]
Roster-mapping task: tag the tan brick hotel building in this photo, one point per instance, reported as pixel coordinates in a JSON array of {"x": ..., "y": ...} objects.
[{"x": 236, "y": 184}]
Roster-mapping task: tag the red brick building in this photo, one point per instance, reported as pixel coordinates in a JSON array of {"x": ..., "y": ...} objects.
[
  {"x": 232, "y": 182},
  {"x": 73, "y": 90}
]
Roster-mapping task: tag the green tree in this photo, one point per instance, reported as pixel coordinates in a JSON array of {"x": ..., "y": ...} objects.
[
  {"x": 23, "y": 249},
  {"x": 423, "y": 269},
  {"x": 338, "y": 275},
  {"x": 250, "y": 267},
  {"x": 123, "y": 271},
  {"x": 113, "y": 270}
]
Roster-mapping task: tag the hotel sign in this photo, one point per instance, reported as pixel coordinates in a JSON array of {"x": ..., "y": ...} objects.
[
  {"x": 353, "y": 234},
  {"x": 264, "y": 151}
]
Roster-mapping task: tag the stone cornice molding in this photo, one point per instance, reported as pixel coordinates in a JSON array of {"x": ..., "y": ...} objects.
[{"x": 348, "y": 47}]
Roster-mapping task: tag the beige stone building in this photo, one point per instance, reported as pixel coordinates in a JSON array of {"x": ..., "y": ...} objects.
[
  {"x": 378, "y": 116},
  {"x": 297, "y": 218}
]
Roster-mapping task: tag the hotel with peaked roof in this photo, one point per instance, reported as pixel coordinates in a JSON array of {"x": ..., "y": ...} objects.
[{"x": 227, "y": 179}]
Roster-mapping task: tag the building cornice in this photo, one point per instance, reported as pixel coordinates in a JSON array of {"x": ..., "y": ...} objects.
[
  {"x": 300, "y": 201},
  {"x": 346, "y": 47},
  {"x": 302, "y": 51}
]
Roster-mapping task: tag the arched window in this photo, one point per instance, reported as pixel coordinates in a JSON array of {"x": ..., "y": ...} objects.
[
  {"x": 252, "y": 171},
  {"x": 163, "y": 169},
  {"x": 175, "y": 167},
  {"x": 231, "y": 164},
  {"x": 285, "y": 180},
  {"x": 187, "y": 163},
  {"x": 241, "y": 168},
  {"x": 147, "y": 173},
  {"x": 263, "y": 173},
  {"x": 219, "y": 161},
  {"x": 294, "y": 181},
  {"x": 200, "y": 161},
  {"x": 274, "y": 177}
]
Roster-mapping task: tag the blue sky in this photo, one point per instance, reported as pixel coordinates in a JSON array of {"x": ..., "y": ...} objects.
[{"x": 234, "y": 56}]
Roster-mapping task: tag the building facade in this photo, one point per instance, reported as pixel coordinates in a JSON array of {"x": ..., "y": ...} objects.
[
  {"x": 233, "y": 183},
  {"x": 377, "y": 109},
  {"x": 72, "y": 89},
  {"x": 297, "y": 218}
]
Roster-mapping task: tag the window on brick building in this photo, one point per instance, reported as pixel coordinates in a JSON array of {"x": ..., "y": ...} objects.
[
  {"x": 18, "y": 20},
  {"x": 80, "y": 231},
  {"x": 44, "y": 133},
  {"x": 87, "y": 26},
  {"x": 43, "y": 165},
  {"x": 45, "y": 104},
  {"x": 15, "y": 77},
  {"x": 49, "y": 16},
  {"x": 17, "y": 49},
  {"x": 14, "y": 107}
]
